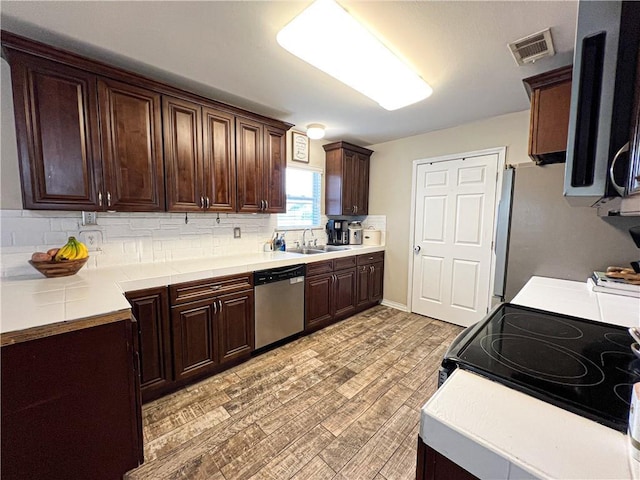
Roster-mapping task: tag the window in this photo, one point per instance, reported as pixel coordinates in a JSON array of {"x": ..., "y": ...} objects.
[{"x": 304, "y": 192}]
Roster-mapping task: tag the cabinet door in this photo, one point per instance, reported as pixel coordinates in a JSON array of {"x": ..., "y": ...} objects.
[
  {"x": 275, "y": 162},
  {"x": 194, "y": 339},
  {"x": 634, "y": 151},
  {"x": 57, "y": 132},
  {"x": 349, "y": 183},
  {"x": 344, "y": 291},
  {"x": 182, "y": 126},
  {"x": 131, "y": 126},
  {"x": 235, "y": 320},
  {"x": 249, "y": 156},
  {"x": 219, "y": 160},
  {"x": 318, "y": 297},
  {"x": 151, "y": 310},
  {"x": 363, "y": 284},
  {"x": 361, "y": 191},
  {"x": 376, "y": 282}
]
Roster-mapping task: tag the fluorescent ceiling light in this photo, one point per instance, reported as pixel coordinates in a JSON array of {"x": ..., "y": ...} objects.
[
  {"x": 330, "y": 39},
  {"x": 315, "y": 131}
]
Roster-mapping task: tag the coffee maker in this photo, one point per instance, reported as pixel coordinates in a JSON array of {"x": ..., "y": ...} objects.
[
  {"x": 337, "y": 232},
  {"x": 355, "y": 233}
]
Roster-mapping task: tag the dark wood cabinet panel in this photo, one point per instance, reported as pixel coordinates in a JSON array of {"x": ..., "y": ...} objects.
[
  {"x": 219, "y": 160},
  {"x": 344, "y": 293},
  {"x": 370, "y": 278},
  {"x": 550, "y": 94},
  {"x": 151, "y": 310},
  {"x": 131, "y": 127},
  {"x": 275, "y": 165},
  {"x": 318, "y": 301},
  {"x": 236, "y": 321},
  {"x": 634, "y": 148},
  {"x": 363, "y": 288},
  {"x": 57, "y": 132},
  {"x": 70, "y": 405},
  {"x": 249, "y": 157},
  {"x": 194, "y": 339},
  {"x": 184, "y": 168},
  {"x": 431, "y": 465},
  {"x": 347, "y": 179}
]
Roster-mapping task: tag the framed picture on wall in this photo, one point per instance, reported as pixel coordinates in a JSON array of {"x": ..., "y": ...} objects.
[{"x": 299, "y": 147}]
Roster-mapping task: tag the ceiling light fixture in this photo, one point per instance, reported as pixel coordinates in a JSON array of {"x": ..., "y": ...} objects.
[
  {"x": 330, "y": 39},
  {"x": 315, "y": 131}
]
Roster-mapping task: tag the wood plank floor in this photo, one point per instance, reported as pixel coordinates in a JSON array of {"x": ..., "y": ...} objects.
[{"x": 342, "y": 403}]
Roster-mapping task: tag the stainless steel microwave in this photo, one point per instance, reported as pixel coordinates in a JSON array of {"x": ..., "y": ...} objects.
[{"x": 604, "y": 69}]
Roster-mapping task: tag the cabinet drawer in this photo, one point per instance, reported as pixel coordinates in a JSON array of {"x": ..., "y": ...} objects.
[
  {"x": 201, "y": 289},
  {"x": 370, "y": 258},
  {"x": 317, "y": 268},
  {"x": 342, "y": 263}
]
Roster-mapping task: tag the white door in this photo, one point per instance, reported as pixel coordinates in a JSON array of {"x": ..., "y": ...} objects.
[{"x": 453, "y": 231}]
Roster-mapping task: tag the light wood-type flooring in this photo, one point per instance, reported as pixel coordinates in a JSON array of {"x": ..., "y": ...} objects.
[{"x": 342, "y": 403}]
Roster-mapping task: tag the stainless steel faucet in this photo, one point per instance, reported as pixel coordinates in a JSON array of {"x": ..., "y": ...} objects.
[{"x": 304, "y": 233}]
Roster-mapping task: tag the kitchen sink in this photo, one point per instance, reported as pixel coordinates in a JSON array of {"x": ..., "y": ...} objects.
[
  {"x": 306, "y": 251},
  {"x": 318, "y": 249}
]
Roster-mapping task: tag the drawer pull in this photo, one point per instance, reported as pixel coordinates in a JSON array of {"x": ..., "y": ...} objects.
[{"x": 215, "y": 287}]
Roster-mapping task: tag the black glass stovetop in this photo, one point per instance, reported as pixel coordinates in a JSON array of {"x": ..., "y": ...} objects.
[{"x": 582, "y": 366}]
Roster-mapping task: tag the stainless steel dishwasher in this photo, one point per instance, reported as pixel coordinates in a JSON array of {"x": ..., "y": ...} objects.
[{"x": 279, "y": 306}]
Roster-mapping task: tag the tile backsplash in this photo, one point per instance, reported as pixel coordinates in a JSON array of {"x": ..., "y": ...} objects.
[{"x": 129, "y": 238}]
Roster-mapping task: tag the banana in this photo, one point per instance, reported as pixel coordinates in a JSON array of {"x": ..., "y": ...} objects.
[{"x": 72, "y": 250}]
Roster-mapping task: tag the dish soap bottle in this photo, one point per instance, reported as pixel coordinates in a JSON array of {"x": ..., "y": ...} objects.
[{"x": 283, "y": 244}]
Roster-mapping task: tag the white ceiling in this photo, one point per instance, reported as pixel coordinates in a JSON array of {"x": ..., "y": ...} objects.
[{"x": 228, "y": 51}]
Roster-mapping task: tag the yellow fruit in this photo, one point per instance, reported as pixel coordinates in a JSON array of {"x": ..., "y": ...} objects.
[
  {"x": 72, "y": 250},
  {"x": 83, "y": 252}
]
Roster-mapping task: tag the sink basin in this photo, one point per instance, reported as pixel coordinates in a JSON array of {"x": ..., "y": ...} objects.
[
  {"x": 305, "y": 251},
  {"x": 335, "y": 248},
  {"x": 318, "y": 249}
]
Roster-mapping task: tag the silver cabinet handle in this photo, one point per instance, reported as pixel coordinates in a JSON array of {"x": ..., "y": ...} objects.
[
  {"x": 207, "y": 202},
  {"x": 100, "y": 199},
  {"x": 372, "y": 268},
  {"x": 215, "y": 307},
  {"x": 220, "y": 301},
  {"x": 416, "y": 249},
  {"x": 266, "y": 204},
  {"x": 619, "y": 188},
  {"x": 216, "y": 287},
  {"x": 356, "y": 208},
  {"x": 108, "y": 199},
  {"x": 202, "y": 202}
]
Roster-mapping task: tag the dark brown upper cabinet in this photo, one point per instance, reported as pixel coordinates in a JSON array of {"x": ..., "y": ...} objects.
[
  {"x": 550, "y": 94},
  {"x": 347, "y": 183},
  {"x": 56, "y": 115},
  {"x": 96, "y": 137},
  {"x": 199, "y": 157},
  {"x": 261, "y": 167},
  {"x": 131, "y": 126}
]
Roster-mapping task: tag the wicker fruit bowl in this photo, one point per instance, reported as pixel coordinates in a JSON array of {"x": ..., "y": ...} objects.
[{"x": 64, "y": 268}]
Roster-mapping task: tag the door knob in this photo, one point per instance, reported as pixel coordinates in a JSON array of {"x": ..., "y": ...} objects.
[{"x": 416, "y": 249}]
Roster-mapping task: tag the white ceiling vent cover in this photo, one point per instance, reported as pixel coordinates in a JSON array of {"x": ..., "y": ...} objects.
[{"x": 532, "y": 47}]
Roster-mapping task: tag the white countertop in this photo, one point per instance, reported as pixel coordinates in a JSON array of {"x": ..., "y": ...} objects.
[
  {"x": 36, "y": 301},
  {"x": 499, "y": 433}
]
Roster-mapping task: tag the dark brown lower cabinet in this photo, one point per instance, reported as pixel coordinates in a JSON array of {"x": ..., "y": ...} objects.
[
  {"x": 150, "y": 307},
  {"x": 330, "y": 292},
  {"x": 370, "y": 272},
  {"x": 212, "y": 324},
  {"x": 71, "y": 405},
  {"x": 431, "y": 465}
]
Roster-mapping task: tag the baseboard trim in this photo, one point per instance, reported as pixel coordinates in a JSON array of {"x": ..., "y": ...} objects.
[{"x": 396, "y": 305}]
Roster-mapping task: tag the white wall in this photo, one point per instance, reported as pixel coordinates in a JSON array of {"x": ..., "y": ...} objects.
[{"x": 390, "y": 180}]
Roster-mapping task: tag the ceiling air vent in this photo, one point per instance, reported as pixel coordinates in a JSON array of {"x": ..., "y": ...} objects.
[{"x": 532, "y": 47}]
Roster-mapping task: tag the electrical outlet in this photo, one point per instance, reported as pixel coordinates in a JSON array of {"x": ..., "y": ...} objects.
[
  {"x": 236, "y": 232},
  {"x": 89, "y": 218},
  {"x": 92, "y": 239}
]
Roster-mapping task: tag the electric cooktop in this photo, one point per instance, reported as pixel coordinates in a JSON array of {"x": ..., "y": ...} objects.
[{"x": 582, "y": 366}]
